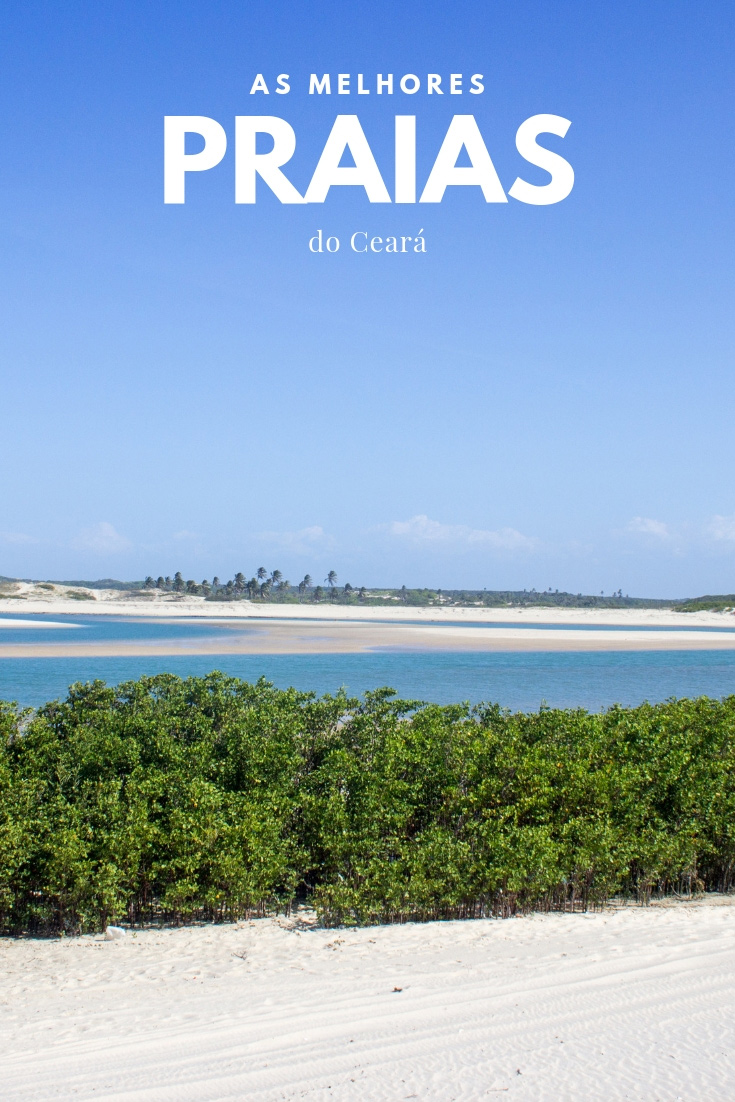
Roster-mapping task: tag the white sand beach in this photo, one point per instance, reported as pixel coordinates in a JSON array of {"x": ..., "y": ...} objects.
[
  {"x": 23, "y": 598},
  {"x": 630, "y": 1003}
]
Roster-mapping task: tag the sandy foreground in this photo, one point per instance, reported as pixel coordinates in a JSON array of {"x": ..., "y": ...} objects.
[{"x": 624, "y": 1004}]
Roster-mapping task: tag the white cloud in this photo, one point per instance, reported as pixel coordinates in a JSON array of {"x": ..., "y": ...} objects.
[
  {"x": 100, "y": 538},
  {"x": 716, "y": 533},
  {"x": 722, "y": 528},
  {"x": 647, "y": 526},
  {"x": 17, "y": 537},
  {"x": 421, "y": 529},
  {"x": 301, "y": 541}
]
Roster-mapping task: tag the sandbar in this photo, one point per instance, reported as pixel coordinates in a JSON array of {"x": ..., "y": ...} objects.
[{"x": 345, "y": 637}]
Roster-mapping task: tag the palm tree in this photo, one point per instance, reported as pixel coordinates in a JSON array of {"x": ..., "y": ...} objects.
[
  {"x": 331, "y": 579},
  {"x": 304, "y": 584},
  {"x": 261, "y": 573},
  {"x": 179, "y": 583},
  {"x": 318, "y": 593},
  {"x": 276, "y": 577},
  {"x": 239, "y": 582}
]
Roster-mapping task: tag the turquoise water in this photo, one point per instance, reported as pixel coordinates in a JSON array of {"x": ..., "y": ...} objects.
[{"x": 514, "y": 679}]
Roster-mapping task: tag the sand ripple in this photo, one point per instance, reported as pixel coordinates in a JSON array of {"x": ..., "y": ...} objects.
[{"x": 625, "y": 1004}]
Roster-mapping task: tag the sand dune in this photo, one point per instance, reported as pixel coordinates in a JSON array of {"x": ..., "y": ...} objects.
[{"x": 623, "y": 1004}]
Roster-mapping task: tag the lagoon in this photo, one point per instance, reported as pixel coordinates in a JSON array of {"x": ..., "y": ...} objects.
[{"x": 514, "y": 679}]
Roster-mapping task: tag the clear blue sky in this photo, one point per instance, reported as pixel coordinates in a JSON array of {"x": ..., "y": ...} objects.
[{"x": 544, "y": 399}]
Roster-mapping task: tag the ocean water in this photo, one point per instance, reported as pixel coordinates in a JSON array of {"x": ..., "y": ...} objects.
[{"x": 517, "y": 680}]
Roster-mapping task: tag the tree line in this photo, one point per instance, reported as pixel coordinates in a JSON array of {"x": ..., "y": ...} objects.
[
  {"x": 267, "y": 585},
  {"x": 210, "y": 798},
  {"x": 263, "y": 586}
]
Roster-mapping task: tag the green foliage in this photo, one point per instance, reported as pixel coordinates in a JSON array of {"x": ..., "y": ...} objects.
[
  {"x": 212, "y": 798},
  {"x": 726, "y": 602}
]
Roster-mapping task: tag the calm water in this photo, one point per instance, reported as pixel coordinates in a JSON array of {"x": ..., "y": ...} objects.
[{"x": 516, "y": 680}]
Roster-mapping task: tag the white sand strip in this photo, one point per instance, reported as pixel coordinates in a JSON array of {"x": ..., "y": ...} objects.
[
  {"x": 627, "y": 1004},
  {"x": 114, "y": 603},
  {"x": 42, "y": 624}
]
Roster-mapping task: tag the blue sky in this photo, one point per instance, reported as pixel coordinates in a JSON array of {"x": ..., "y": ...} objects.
[{"x": 544, "y": 399}]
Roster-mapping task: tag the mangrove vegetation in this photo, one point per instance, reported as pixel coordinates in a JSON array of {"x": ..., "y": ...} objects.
[{"x": 172, "y": 800}]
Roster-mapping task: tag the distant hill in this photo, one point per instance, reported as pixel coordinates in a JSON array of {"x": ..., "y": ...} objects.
[
  {"x": 105, "y": 583},
  {"x": 101, "y": 583}
]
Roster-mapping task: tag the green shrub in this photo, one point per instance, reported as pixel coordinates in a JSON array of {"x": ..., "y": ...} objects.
[{"x": 210, "y": 798}]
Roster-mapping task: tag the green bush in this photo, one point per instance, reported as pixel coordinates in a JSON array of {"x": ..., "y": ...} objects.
[{"x": 210, "y": 798}]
